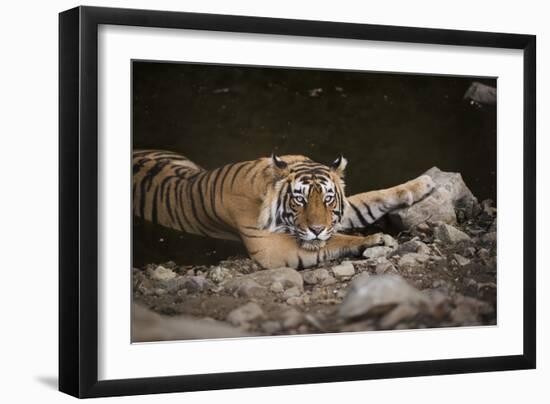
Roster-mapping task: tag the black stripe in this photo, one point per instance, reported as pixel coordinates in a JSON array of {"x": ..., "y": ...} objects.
[
  {"x": 223, "y": 181},
  {"x": 369, "y": 211},
  {"x": 252, "y": 166},
  {"x": 212, "y": 187},
  {"x": 212, "y": 230},
  {"x": 168, "y": 204},
  {"x": 154, "y": 211},
  {"x": 359, "y": 215},
  {"x": 237, "y": 172},
  {"x": 189, "y": 192},
  {"x": 180, "y": 205},
  {"x": 201, "y": 198}
]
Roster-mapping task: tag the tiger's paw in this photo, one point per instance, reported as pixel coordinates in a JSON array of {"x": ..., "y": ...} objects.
[
  {"x": 419, "y": 188},
  {"x": 374, "y": 240}
]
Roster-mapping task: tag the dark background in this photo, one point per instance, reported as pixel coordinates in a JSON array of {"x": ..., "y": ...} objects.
[{"x": 390, "y": 127}]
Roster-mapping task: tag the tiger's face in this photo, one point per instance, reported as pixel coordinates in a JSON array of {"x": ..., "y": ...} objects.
[{"x": 309, "y": 202}]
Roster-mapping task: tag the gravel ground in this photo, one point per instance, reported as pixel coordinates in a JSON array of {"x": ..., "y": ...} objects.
[{"x": 432, "y": 275}]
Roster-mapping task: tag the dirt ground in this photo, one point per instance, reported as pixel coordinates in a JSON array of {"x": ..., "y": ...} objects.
[{"x": 433, "y": 275}]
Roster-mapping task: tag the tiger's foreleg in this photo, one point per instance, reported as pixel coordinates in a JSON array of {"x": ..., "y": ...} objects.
[
  {"x": 366, "y": 208},
  {"x": 275, "y": 250}
]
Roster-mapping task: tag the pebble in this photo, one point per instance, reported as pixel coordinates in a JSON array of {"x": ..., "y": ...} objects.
[
  {"x": 490, "y": 237},
  {"x": 413, "y": 246},
  {"x": 377, "y": 252},
  {"x": 344, "y": 270},
  {"x": 287, "y": 277},
  {"x": 295, "y": 301},
  {"x": 245, "y": 287},
  {"x": 317, "y": 276},
  {"x": 277, "y": 287},
  {"x": 271, "y": 327},
  {"x": 219, "y": 274},
  {"x": 412, "y": 259},
  {"x": 384, "y": 267},
  {"x": 462, "y": 261},
  {"x": 245, "y": 314},
  {"x": 449, "y": 234},
  {"x": 292, "y": 318},
  {"x": 291, "y": 292},
  {"x": 161, "y": 273}
]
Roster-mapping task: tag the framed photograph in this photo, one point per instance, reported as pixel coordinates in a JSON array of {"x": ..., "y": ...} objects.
[{"x": 251, "y": 201}]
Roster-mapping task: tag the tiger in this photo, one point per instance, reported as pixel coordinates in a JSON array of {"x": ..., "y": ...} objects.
[{"x": 289, "y": 211}]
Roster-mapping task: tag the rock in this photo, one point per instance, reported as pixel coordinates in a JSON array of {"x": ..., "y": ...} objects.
[
  {"x": 468, "y": 311},
  {"x": 243, "y": 315},
  {"x": 377, "y": 252},
  {"x": 412, "y": 260},
  {"x": 161, "y": 273},
  {"x": 384, "y": 267},
  {"x": 271, "y": 327},
  {"x": 149, "y": 326},
  {"x": 317, "y": 276},
  {"x": 483, "y": 253},
  {"x": 295, "y": 301},
  {"x": 378, "y": 294},
  {"x": 219, "y": 274},
  {"x": 244, "y": 287},
  {"x": 398, "y": 314},
  {"x": 449, "y": 234},
  {"x": 287, "y": 277},
  {"x": 344, "y": 270},
  {"x": 450, "y": 193},
  {"x": 277, "y": 287},
  {"x": 462, "y": 261},
  {"x": 439, "y": 303},
  {"x": 481, "y": 94},
  {"x": 292, "y": 318},
  {"x": 487, "y": 207},
  {"x": 470, "y": 251},
  {"x": 490, "y": 237},
  {"x": 193, "y": 284},
  {"x": 438, "y": 206},
  {"x": 291, "y": 292},
  {"x": 413, "y": 246}
]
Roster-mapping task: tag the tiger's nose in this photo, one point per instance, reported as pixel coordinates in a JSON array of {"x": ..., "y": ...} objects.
[{"x": 317, "y": 229}]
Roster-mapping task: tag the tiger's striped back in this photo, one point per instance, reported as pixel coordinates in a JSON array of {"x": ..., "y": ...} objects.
[{"x": 171, "y": 190}]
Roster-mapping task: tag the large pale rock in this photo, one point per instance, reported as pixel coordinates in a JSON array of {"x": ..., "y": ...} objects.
[
  {"x": 149, "y": 326},
  {"x": 449, "y": 194},
  {"x": 378, "y": 294}
]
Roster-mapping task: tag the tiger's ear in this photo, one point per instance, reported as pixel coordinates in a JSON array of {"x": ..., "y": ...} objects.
[
  {"x": 280, "y": 167},
  {"x": 339, "y": 165}
]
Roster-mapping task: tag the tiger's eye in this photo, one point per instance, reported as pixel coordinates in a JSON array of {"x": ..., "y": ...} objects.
[
  {"x": 299, "y": 199},
  {"x": 329, "y": 199}
]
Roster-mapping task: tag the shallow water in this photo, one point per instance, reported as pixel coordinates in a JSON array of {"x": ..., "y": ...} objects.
[{"x": 391, "y": 128}]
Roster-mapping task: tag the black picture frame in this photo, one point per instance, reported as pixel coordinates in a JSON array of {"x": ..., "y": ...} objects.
[{"x": 78, "y": 201}]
